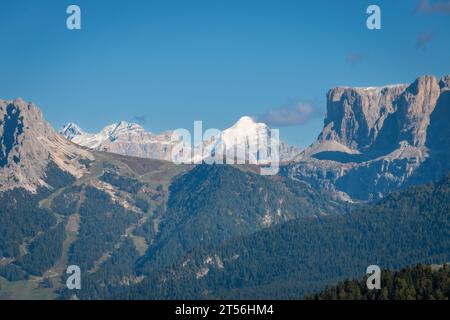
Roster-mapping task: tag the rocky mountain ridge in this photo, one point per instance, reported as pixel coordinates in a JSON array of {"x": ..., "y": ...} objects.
[
  {"x": 376, "y": 140},
  {"x": 123, "y": 138},
  {"x": 29, "y": 145},
  {"x": 131, "y": 139}
]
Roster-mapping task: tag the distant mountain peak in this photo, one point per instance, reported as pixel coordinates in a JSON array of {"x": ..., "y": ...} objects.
[
  {"x": 245, "y": 120},
  {"x": 246, "y": 126},
  {"x": 71, "y": 130},
  {"x": 125, "y": 138},
  {"x": 123, "y": 126},
  {"x": 132, "y": 139},
  {"x": 245, "y": 129}
]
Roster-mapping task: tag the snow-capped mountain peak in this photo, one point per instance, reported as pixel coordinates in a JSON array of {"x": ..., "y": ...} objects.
[
  {"x": 113, "y": 132},
  {"x": 71, "y": 130},
  {"x": 244, "y": 121},
  {"x": 250, "y": 139},
  {"x": 247, "y": 125},
  {"x": 243, "y": 131},
  {"x": 132, "y": 139},
  {"x": 122, "y": 128},
  {"x": 124, "y": 138}
]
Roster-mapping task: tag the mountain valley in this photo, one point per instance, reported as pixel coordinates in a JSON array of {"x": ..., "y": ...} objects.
[{"x": 372, "y": 189}]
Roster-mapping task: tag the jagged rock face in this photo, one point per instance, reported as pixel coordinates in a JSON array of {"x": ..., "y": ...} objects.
[
  {"x": 28, "y": 144},
  {"x": 415, "y": 106},
  {"x": 376, "y": 140},
  {"x": 71, "y": 130},
  {"x": 444, "y": 83},
  {"x": 355, "y": 116}
]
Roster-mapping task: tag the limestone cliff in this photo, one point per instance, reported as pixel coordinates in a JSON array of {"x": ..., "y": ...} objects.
[
  {"x": 378, "y": 139},
  {"x": 28, "y": 145}
]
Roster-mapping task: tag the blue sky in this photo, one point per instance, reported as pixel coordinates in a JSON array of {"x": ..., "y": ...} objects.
[{"x": 172, "y": 62}]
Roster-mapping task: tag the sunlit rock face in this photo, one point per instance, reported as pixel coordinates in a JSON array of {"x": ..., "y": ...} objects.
[
  {"x": 28, "y": 145},
  {"x": 378, "y": 139}
]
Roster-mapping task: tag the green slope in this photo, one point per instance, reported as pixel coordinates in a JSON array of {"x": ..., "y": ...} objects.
[
  {"x": 301, "y": 256},
  {"x": 421, "y": 282}
]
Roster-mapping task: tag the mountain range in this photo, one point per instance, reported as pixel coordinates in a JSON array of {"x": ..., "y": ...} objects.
[
  {"x": 373, "y": 188},
  {"x": 374, "y": 141},
  {"x": 131, "y": 139}
]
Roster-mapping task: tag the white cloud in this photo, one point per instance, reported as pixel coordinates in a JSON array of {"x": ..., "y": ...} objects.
[
  {"x": 297, "y": 114},
  {"x": 430, "y": 7}
]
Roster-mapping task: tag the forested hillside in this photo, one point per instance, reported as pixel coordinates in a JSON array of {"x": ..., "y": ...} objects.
[
  {"x": 31, "y": 236},
  {"x": 88, "y": 222},
  {"x": 206, "y": 207},
  {"x": 212, "y": 204},
  {"x": 305, "y": 255},
  {"x": 421, "y": 282}
]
